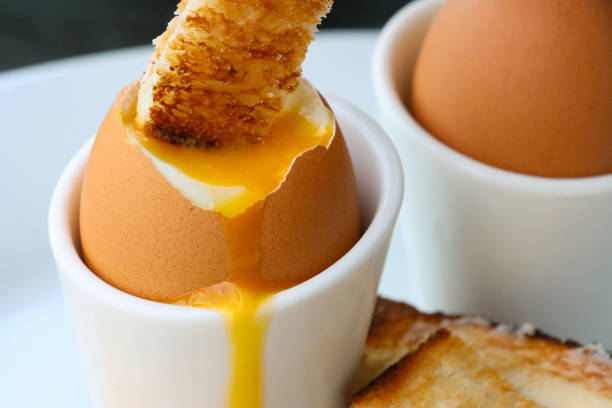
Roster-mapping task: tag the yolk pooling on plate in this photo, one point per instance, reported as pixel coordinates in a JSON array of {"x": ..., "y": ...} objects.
[{"x": 257, "y": 170}]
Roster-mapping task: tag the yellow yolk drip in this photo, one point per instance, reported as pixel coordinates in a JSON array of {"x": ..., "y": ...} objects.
[
  {"x": 257, "y": 170},
  {"x": 239, "y": 301}
]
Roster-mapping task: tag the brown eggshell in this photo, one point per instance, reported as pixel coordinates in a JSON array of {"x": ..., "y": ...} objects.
[
  {"x": 141, "y": 235},
  {"x": 522, "y": 85},
  {"x": 313, "y": 218}
]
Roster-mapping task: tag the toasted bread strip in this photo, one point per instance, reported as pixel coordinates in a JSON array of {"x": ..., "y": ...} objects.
[
  {"x": 220, "y": 71},
  {"x": 443, "y": 372},
  {"x": 544, "y": 369}
]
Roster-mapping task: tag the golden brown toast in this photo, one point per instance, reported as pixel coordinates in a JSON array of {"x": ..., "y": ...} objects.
[
  {"x": 443, "y": 372},
  {"x": 550, "y": 372},
  {"x": 221, "y": 70}
]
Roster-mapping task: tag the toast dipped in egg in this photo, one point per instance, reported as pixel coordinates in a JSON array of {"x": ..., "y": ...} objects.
[
  {"x": 221, "y": 177},
  {"x": 222, "y": 162}
]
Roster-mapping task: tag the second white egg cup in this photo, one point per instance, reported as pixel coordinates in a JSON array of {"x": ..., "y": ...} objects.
[
  {"x": 143, "y": 354},
  {"x": 509, "y": 246}
]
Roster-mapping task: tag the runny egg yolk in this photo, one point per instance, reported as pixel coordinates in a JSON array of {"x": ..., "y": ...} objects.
[{"x": 257, "y": 170}]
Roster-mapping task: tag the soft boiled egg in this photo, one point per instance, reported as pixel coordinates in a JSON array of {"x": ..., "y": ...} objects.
[
  {"x": 220, "y": 228},
  {"x": 524, "y": 86}
]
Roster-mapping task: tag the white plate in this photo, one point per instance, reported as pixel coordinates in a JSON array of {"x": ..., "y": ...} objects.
[{"x": 47, "y": 111}]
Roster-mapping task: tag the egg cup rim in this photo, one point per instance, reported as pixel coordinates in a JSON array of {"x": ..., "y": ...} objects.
[
  {"x": 387, "y": 93},
  {"x": 64, "y": 237}
]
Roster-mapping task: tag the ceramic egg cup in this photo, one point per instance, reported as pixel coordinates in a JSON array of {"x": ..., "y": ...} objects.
[
  {"x": 513, "y": 247},
  {"x": 139, "y": 353}
]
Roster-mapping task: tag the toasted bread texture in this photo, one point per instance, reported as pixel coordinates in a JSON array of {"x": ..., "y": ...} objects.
[
  {"x": 443, "y": 372},
  {"x": 397, "y": 329},
  {"x": 221, "y": 70},
  {"x": 544, "y": 370}
]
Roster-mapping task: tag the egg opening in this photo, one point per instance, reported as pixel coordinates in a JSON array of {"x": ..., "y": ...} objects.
[{"x": 232, "y": 179}]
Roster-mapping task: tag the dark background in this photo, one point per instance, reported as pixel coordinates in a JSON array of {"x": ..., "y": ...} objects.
[{"x": 39, "y": 30}]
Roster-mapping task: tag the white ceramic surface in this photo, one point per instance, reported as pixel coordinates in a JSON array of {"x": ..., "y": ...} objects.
[
  {"x": 47, "y": 112},
  {"x": 139, "y": 353},
  {"x": 512, "y": 247}
]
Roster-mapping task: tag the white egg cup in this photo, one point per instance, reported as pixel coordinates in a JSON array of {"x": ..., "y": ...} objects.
[
  {"x": 483, "y": 240},
  {"x": 139, "y": 353}
]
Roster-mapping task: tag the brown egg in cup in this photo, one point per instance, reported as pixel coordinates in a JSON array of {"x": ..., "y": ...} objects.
[{"x": 142, "y": 235}]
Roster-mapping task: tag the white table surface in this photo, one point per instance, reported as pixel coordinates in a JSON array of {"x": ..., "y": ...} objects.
[{"x": 47, "y": 111}]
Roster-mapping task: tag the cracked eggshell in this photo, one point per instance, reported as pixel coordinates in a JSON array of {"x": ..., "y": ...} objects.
[{"x": 143, "y": 236}]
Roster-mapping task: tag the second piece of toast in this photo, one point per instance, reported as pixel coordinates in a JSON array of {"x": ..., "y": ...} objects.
[
  {"x": 549, "y": 372},
  {"x": 444, "y": 372}
]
